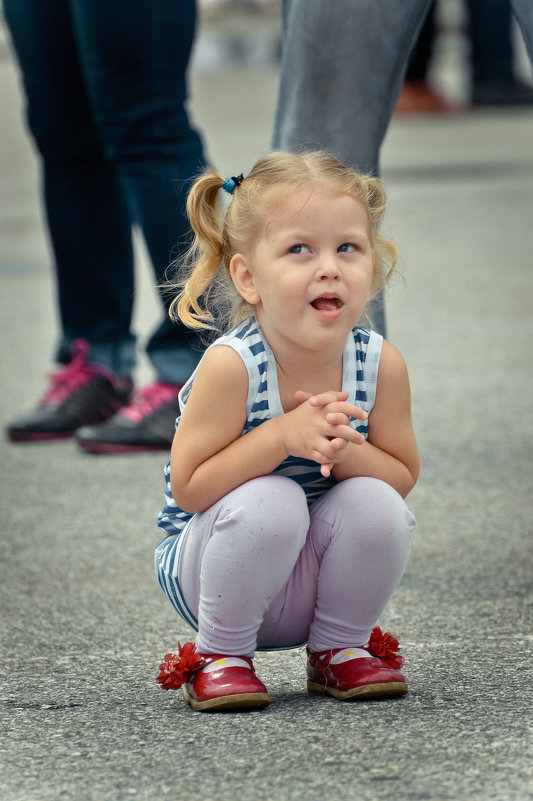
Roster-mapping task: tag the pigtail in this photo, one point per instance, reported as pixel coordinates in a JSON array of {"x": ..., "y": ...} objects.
[
  {"x": 386, "y": 252},
  {"x": 203, "y": 260}
]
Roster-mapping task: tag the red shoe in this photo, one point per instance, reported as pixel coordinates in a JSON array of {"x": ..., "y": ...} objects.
[
  {"x": 213, "y": 682},
  {"x": 358, "y": 673}
]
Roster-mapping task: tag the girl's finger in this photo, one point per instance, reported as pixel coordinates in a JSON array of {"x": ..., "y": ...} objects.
[
  {"x": 300, "y": 396},
  {"x": 337, "y": 419},
  {"x": 327, "y": 397},
  {"x": 351, "y": 410}
]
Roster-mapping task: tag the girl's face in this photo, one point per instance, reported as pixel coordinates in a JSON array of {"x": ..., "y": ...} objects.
[{"x": 308, "y": 274}]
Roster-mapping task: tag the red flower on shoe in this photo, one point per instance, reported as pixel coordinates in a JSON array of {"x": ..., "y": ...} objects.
[
  {"x": 178, "y": 668},
  {"x": 385, "y": 647}
]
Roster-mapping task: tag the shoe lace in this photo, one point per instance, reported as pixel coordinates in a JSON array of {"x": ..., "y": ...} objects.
[
  {"x": 148, "y": 399},
  {"x": 73, "y": 375}
]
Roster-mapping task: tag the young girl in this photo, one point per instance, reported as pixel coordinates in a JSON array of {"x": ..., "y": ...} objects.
[{"x": 284, "y": 513}]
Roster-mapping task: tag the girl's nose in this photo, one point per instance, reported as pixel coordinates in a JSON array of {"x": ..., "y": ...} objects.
[{"x": 328, "y": 269}]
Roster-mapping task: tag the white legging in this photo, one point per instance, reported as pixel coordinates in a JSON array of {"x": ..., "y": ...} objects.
[{"x": 260, "y": 570}]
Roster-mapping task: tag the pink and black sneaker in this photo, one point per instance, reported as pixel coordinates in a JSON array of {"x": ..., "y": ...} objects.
[
  {"x": 81, "y": 393},
  {"x": 147, "y": 424}
]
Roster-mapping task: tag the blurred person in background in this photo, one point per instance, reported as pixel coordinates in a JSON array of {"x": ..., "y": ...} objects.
[
  {"x": 493, "y": 81},
  {"x": 342, "y": 70},
  {"x": 105, "y": 86}
]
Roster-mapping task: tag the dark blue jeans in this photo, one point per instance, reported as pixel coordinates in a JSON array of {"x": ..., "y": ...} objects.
[
  {"x": 489, "y": 23},
  {"x": 105, "y": 84}
]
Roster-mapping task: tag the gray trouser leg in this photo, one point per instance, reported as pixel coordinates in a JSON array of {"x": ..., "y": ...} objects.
[{"x": 342, "y": 70}]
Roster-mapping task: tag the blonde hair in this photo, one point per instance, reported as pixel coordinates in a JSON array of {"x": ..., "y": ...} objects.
[{"x": 218, "y": 236}]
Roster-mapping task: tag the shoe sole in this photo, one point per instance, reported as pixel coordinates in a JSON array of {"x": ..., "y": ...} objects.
[
  {"x": 366, "y": 692},
  {"x": 228, "y": 702},
  {"x": 105, "y": 448},
  {"x": 22, "y": 436}
]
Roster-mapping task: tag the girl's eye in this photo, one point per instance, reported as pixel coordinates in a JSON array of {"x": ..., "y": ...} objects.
[
  {"x": 299, "y": 249},
  {"x": 346, "y": 248}
]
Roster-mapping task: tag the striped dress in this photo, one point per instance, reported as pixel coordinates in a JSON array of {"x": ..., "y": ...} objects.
[{"x": 360, "y": 370}]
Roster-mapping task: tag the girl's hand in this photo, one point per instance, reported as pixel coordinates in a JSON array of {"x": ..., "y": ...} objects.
[
  {"x": 319, "y": 428},
  {"x": 335, "y": 418}
]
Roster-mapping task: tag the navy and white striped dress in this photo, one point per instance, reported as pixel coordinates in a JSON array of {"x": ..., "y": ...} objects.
[
  {"x": 359, "y": 378},
  {"x": 360, "y": 370}
]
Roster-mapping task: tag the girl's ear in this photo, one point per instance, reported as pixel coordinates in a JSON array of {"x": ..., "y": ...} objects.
[{"x": 242, "y": 278}]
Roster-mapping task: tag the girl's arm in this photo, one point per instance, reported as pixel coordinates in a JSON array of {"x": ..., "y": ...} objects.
[
  {"x": 205, "y": 461},
  {"x": 390, "y": 452},
  {"x": 209, "y": 457}
]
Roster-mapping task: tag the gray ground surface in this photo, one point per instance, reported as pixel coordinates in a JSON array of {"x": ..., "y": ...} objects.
[{"x": 83, "y": 623}]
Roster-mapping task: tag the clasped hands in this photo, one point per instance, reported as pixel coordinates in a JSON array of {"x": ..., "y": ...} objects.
[{"x": 318, "y": 429}]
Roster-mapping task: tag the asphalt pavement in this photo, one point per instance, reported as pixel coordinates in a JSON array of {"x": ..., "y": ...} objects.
[{"x": 84, "y": 624}]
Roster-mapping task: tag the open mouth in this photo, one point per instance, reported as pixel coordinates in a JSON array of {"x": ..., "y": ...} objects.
[{"x": 327, "y": 304}]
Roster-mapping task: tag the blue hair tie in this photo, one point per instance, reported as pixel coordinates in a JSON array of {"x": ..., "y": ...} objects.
[{"x": 230, "y": 183}]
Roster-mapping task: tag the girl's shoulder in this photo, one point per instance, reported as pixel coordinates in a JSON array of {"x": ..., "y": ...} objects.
[
  {"x": 248, "y": 341},
  {"x": 379, "y": 350},
  {"x": 247, "y": 335},
  {"x": 234, "y": 354},
  {"x": 392, "y": 368}
]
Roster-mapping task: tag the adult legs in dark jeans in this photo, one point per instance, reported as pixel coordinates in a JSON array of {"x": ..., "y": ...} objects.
[
  {"x": 494, "y": 82},
  {"x": 493, "y": 79},
  {"x": 106, "y": 87}
]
